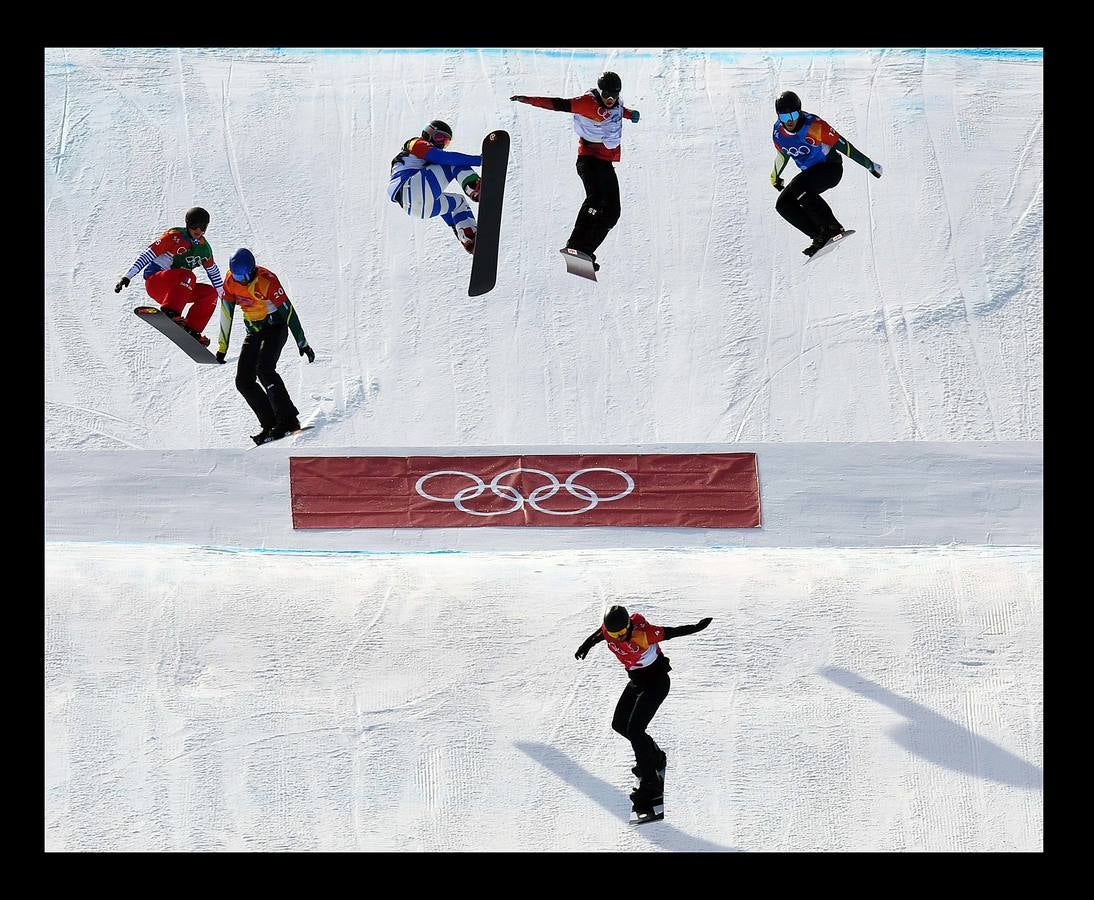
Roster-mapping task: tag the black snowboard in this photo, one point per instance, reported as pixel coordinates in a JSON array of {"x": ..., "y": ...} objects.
[
  {"x": 654, "y": 810},
  {"x": 484, "y": 264},
  {"x": 158, "y": 319}
]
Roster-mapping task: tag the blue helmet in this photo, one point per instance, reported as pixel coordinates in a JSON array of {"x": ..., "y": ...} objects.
[{"x": 242, "y": 265}]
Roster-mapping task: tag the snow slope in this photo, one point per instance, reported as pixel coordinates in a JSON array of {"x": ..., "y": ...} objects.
[
  {"x": 840, "y": 700},
  {"x": 704, "y": 326},
  {"x": 873, "y": 676}
]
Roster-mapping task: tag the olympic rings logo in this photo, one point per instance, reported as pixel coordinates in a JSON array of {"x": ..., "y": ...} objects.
[
  {"x": 799, "y": 151},
  {"x": 544, "y": 492}
]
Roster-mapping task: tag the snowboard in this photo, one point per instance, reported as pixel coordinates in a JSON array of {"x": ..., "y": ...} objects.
[
  {"x": 186, "y": 342},
  {"x": 578, "y": 263},
  {"x": 484, "y": 262},
  {"x": 832, "y": 244},
  {"x": 655, "y": 811},
  {"x": 290, "y": 434}
]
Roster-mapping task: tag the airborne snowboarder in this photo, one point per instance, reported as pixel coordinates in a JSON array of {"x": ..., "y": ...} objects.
[
  {"x": 422, "y": 170},
  {"x": 598, "y": 120},
  {"x": 167, "y": 263},
  {"x": 810, "y": 140}
]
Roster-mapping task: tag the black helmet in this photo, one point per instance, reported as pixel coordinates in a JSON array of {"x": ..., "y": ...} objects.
[
  {"x": 197, "y": 218},
  {"x": 616, "y": 619},
  {"x": 437, "y": 133},
  {"x": 788, "y": 102},
  {"x": 609, "y": 85}
]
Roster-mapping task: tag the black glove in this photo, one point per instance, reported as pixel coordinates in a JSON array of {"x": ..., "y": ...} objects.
[
  {"x": 581, "y": 651},
  {"x": 123, "y": 283},
  {"x": 520, "y": 98},
  {"x": 308, "y": 350},
  {"x": 703, "y": 623},
  {"x": 220, "y": 356},
  {"x": 779, "y": 184}
]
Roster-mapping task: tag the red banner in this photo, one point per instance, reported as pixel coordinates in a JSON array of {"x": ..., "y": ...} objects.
[{"x": 695, "y": 490}]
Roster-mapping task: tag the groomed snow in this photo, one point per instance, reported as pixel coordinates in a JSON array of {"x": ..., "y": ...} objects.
[{"x": 873, "y": 676}]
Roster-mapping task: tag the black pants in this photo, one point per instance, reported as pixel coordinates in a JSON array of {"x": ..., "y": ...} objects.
[
  {"x": 257, "y": 379},
  {"x": 640, "y": 699},
  {"x": 800, "y": 202},
  {"x": 600, "y": 211}
]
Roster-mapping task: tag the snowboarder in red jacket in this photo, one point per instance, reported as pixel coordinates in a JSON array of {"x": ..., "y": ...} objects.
[
  {"x": 637, "y": 644},
  {"x": 598, "y": 121}
]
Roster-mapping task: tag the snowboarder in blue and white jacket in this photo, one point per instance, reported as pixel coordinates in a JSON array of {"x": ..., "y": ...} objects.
[{"x": 423, "y": 169}]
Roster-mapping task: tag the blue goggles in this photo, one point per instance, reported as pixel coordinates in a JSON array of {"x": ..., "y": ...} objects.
[{"x": 786, "y": 118}]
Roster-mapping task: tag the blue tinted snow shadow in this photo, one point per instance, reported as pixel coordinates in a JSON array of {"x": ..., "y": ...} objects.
[
  {"x": 614, "y": 800},
  {"x": 942, "y": 741}
]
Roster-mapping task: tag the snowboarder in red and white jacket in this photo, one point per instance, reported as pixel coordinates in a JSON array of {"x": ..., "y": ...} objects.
[
  {"x": 598, "y": 121},
  {"x": 637, "y": 644}
]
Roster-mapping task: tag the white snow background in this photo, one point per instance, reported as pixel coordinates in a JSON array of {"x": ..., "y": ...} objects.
[{"x": 872, "y": 679}]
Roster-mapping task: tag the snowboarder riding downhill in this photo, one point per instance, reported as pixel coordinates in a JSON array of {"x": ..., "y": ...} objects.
[
  {"x": 810, "y": 140},
  {"x": 268, "y": 315},
  {"x": 637, "y": 644},
  {"x": 598, "y": 121},
  {"x": 167, "y": 263},
  {"x": 422, "y": 170}
]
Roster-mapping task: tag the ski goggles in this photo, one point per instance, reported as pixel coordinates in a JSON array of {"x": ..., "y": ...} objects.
[
  {"x": 618, "y": 634},
  {"x": 438, "y": 138},
  {"x": 787, "y": 118}
]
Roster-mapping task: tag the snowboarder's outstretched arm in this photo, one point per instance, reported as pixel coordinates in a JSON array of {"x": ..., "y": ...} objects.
[
  {"x": 146, "y": 257},
  {"x": 672, "y": 631},
  {"x": 591, "y": 641},
  {"x": 585, "y": 105},
  {"x": 844, "y": 146},
  {"x": 558, "y": 104}
]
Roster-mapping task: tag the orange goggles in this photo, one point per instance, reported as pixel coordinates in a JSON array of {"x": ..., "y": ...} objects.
[{"x": 618, "y": 634}]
